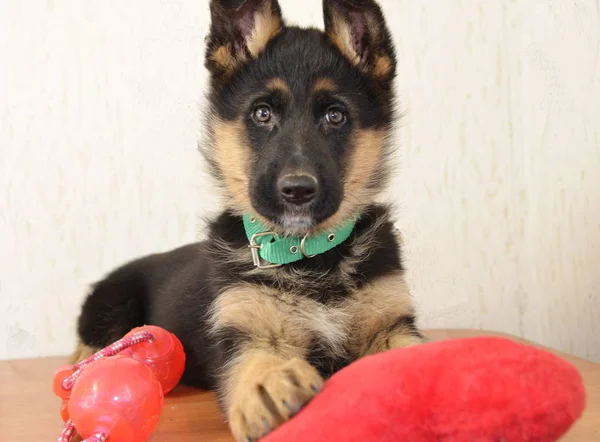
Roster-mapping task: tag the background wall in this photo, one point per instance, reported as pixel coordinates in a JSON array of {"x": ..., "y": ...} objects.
[{"x": 498, "y": 190}]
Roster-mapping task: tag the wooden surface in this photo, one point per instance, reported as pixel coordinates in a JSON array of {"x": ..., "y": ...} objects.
[{"x": 29, "y": 411}]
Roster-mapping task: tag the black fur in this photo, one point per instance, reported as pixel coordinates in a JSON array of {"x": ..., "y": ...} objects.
[{"x": 177, "y": 289}]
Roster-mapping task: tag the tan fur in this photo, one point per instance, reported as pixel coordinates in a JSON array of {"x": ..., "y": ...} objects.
[
  {"x": 270, "y": 368},
  {"x": 233, "y": 158},
  {"x": 224, "y": 57},
  {"x": 278, "y": 84},
  {"x": 378, "y": 304},
  {"x": 376, "y": 307},
  {"x": 382, "y": 67},
  {"x": 269, "y": 379},
  {"x": 341, "y": 36},
  {"x": 325, "y": 84},
  {"x": 367, "y": 154},
  {"x": 82, "y": 352},
  {"x": 263, "y": 313},
  {"x": 282, "y": 322},
  {"x": 264, "y": 390},
  {"x": 266, "y": 27}
]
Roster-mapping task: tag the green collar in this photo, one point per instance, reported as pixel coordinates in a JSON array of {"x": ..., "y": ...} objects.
[{"x": 277, "y": 250}]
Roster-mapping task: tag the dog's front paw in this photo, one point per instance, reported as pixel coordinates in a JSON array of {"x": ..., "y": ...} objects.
[{"x": 274, "y": 398}]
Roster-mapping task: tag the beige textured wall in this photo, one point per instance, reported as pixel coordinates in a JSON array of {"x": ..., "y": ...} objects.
[{"x": 498, "y": 190}]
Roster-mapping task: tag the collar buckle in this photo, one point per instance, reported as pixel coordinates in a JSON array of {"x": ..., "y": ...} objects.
[
  {"x": 254, "y": 249},
  {"x": 302, "y": 247}
]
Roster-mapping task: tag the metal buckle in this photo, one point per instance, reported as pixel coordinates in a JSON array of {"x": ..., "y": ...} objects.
[
  {"x": 302, "y": 247},
  {"x": 255, "y": 247}
]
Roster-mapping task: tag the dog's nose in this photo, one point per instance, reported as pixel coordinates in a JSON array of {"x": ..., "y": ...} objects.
[{"x": 298, "y": 189}]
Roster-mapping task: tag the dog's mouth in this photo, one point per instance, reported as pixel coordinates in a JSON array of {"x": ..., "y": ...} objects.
[{"x": 297, "y": 220}]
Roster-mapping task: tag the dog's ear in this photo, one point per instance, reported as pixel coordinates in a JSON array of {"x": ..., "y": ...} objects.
[
  {"x": 357, "y": 28},
  {"x": 239, "y": 30}
]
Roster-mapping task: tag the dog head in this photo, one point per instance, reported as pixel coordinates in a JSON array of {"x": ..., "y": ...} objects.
[{"x": 299, "y": 119}]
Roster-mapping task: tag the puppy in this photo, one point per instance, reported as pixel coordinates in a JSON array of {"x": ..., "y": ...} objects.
[{"x": 301, "y": 273}]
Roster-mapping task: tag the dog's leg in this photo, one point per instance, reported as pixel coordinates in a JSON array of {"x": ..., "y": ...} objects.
[
  {"x": 400, "y": 333},
  {"x": 384, "y": 316},
  {"x": 82, "y": 352},
  {"x": 264, "y": 378}
]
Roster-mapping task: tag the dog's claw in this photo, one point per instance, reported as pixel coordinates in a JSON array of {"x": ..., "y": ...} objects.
[{"x": 267, "y": 425}]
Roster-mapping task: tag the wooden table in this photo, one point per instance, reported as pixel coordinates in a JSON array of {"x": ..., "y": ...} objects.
[{"x": 29, "y": 411}]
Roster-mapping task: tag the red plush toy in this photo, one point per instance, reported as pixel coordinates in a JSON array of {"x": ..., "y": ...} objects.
[{"x": 471, "y": 390}]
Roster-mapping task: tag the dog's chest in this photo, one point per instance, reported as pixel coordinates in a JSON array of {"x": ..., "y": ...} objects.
[{"x": 330, "y": 327}]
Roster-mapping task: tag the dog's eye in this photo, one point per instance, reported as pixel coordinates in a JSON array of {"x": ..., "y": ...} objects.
[
  {"x": 262, "y": 114},
  {"x": 335, "y": 116}
]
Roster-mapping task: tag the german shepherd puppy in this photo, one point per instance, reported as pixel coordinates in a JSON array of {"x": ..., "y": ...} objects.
[{"x": 299, "y": 125}]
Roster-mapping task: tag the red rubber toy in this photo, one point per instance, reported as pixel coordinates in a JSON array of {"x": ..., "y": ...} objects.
[
  {"x": 117, "y": 394},
  {"x": 465, "y": 390}
]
